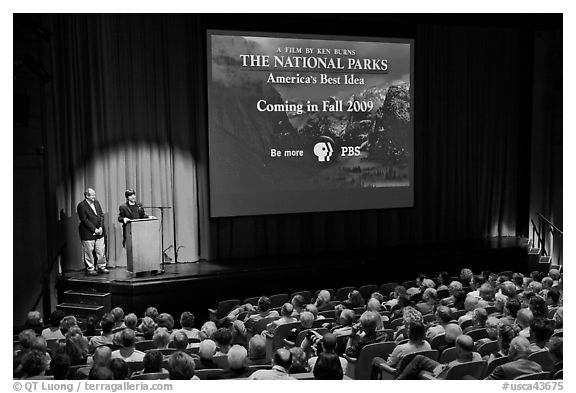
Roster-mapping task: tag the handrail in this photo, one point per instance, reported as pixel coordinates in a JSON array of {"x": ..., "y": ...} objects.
[
  {"x": 554, "y": 227},
  {"x": 47, "y": 272}
]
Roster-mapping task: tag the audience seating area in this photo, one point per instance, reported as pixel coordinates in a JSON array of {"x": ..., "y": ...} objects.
[{"x": 474, "y": 326}]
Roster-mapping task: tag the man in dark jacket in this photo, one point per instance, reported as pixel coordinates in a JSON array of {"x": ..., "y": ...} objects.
[
  {"x": 131, "y": 210},
  {"x": 92, "y": 232}
]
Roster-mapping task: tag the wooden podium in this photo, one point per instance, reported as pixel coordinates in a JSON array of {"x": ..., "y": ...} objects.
[{"x": 143, "y": 245}]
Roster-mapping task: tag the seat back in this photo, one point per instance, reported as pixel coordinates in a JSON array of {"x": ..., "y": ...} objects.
[
  {"x": 359, "y": 310},
  {"x": 386, "y": 288},
  {"x": 167, "y": 351},
  {"x": 208, "y": 373},
  {"x": 448, "y": 355},
  {"x": 276, "y": 342},
  {"x": 144, "y": 345},
  {"x": 221, "y": 361},
  {"x": 342, "y": 293},
  {"x": 443, "y": 293},
  {"x": 474, "y": 369},
  {"x": 477, "y": 334},
  {"x": 535, "y": 376},
  {"x": 458, "y": 313},
  {"x": 559, "y": 374},
  {"x": 396, "y": 322},
  {"x": 363, "y": 365},
  {"x": 543, "y": 358},
  {"x": 251, "y": 300},
  {"x": 490, "y": 309},
  {"x": 409, "y": 284},
  {"x": 431, "y": 354},
  {"x": 225, "y": 306},
  {"x": 495, "y": 363},
  {"x": 488, "y": 348},
  {"x": 304, "y": 332},
  {"x": 367, "y": 290},
  {"x": 255, "y": 367},
  {"x": 319, "y": 322},
  {"x": 428, "y": 318},
  {"x": 303, "y": 376},
  {"x": 438, "y": 341},
  {"x": 135, "y": 366},
  {"x": 328, "y": 314},
  {"x": 151, "y": 376},
  {"x": 261, "y": 325},
  {"x": 307, "y": 295},
  {"x": 467, "y": 323},
  {"x": 278, "y": 300}
]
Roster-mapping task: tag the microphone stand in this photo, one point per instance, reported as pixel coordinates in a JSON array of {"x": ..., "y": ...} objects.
[{"x": 162, "y": 208}]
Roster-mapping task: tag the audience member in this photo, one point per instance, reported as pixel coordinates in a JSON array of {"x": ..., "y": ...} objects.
[
  {"x": 286, "y": 313},
  {"x": 101, "y": 358},
  {"x": 187, "y": 323},
  {"x": 53, "y": 331},
  {"x": 506, "y": 334},
  {"x": 323, "y": 301},
  {"x": 328, "y": 367},
  {"x": 34, "y": 322},
  {"x": 257, "y": 351},
  {"x": 518, "y": 364},
  {"x": 34, "y": 364},
  {"x": 237, "y": 367},
  {"x": 524, "y": 319},
  {"x": 100, "y": 373},
  {"x": 223, "y": 340},
  {"x": 147, "y": 327},
  {"x": 555, "y": 346},
  {"x": 207, "y": 330},
  {"x": 299, "y": 363},
  {"x": 206, "y": 353},
  {"x": 327, "y": 345},
  {"x": 77, "y": 348},
  {"x": 118, "y": 314},
  {"x": 181, "y": 366},
  {"x": 59, "y": 366},
  {"x": 161, "y": 338},
  {"x": 106, "y": 337},
  {"x": 91, "y": 325},
  {"x": 165, "y": 320},
  {"x": 540, "y": 332},
  {"x": 443, "y": 318},
  {"x": 120, "y": 369},
  {"x": 479, "y": 317},
  {"x": 443, "y": 281},
  {"x": 180, "y": 340},
  {"x": 538, "y": 307},
  {"x": 128, "y": 353},
  {"x": 364, "y": 333},
  {"x": 131, "y": 321},
  {"x": 152, "y": 313},
  {"x": 298, "y": 304},
  {"x": 152, "y": 363},
  {"x": 429, "y": 301},
  {"x": 416, "y": 342},
  {"x": 281, "y": 363}
]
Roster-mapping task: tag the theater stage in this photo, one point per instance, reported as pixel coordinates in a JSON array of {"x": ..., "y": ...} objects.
[{"x": 201, "y": 285}]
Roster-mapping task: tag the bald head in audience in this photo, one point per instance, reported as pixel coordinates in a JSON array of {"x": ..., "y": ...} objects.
[{"x": 452, "y": 331}]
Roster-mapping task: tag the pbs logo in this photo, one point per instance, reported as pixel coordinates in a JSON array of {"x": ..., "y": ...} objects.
[{"x": 323, "y": 150}]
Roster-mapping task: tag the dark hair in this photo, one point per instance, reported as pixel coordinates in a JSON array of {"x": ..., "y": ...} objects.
[
  {"x": 541, "y": 330},
  {"x": 356, "y": 299},
  {"x": 298, "y": 301},
  {"x": 55, "y": 317},
  {"x": 181, "y": 366},
  {"x": 91, "y": 323},
  {"x": 538, "y": 307},
  {"x": 77, "y": 349},
  {"x": 513, "y": 306},
  {"x": 416, "y": 331},
  {"x": 129, "y": 192},
  {"x": 404, "y": 301},
  {"x": 459, "y": 299},
  {"x": 328, "y": 367},
  {"x": 153, "y": 361},
  {"x": 187, "y": 319},
  {"x": 26, "y": 338},
  {"x": 180, "y": 340},
  {"x": 119, "y": 368},
  {"x": 555, "y": 346},
  {"x": 554, "y": 294},
  {"x": 59, "y": 366},
  {"x": 127, "y": 338},
  {"x": 223, "y": 336},
  {"x": 263, "y": 303},
  {"x": 505, "y": 335},
  {"x": 444, "y": 314},
  {"x": 101, "y": 373},
  {"x": 33, "y": 363},
  {"x": 165, "y": 320},
  {"x": 444, "y": 278},
  {"x": 518, "y": 279},
  {"x": 107, "y": 323},
  {"x": 283, "y": 358}
]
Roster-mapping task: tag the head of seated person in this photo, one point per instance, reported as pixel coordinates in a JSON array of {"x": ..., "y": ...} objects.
[
  {"x": 538, "y": 307},
  {"x": 373, "y": 305},
  {"x": 466, "y": 276},
  {"x": 153, "y": 361},
  {"x": 556, "y": 348},
  {"x": 118, "y": 314},
  {"x": 416, "y": 332},
  {"x": 444, "y": 279},
  {"x": 298, "y": 303},
  {"x": 148, "y": 327},
  {"x": 346, "y": 317},
  {"x": 323, "y": 298},
  {"x": 286, "y": 310},
  {"x": 554, "y": 274},
  {"x": 535, "y": 287},
  {"x": 312, "y": 309},
  {"x": 492, "y": 327},
  {"x": 34, "y": 363},
  {"x": 470, "y": 303},
  {"x": 59, "y": 366},
  {"x": 524, "y": 318},
  {"x": 39, "y": 344},
  {"x": 208, "y": 329},
  {"x": 102, "y": 356},
  {"x": 410, "y": 314},
  {"x": 506, "y": 334},
  {"x": 519, "y": 348},
  {"x": 207, "y": 349},
  {"x": 100, "y": 373},
  {"x": 165, "y": 320},
  {"x": 34, "y": 321},
  {"x": 454, "y": 287},
  {"x": 477, "y": 281},
  {"x": 299, "y": 361},
  {"x": 553, "y": 297},
  {"x": 151, "y": 312},
  {"x": 430, "y": 296},
  {"x": 547, "y": 283},
  {"x": 223, "y": 339},
  {"x": 107, "y": 323},
  {"x": 283, "y": 358},
  {"x": 443, "y": 315},
  {"x": 127, "y": 338},
  {"x": 161, "y": 338},
  {"x": 120, "y": 369},
  {"x": 479, "y": 317},
  {"x": 508, "y": 289},
  {"x": 464, "y": 348},
  {"x": 76, "y": 348},
  {"x": 237, "y": 356},
  {"x": 369, "y": 322},
  {"x": 486, "y": 292},
  {"x": 187, "y": 320},
  {"x": 355, "y": 299},
  {"x": 91, "y": 325},
  {"x": 131, "y": 321},
  {"x": 26, "y": 338},
  {"x": 180, "y": 340},
  {"x": 452, "y": 331},
  {"x": 263, "y": 304},
  {"x": 540, "y": 332},
  {"x": 427, "y": 283},
  {"x": 399, "y": 290},
  {"x": 67, "y": 322},
  {"x": 378, "y": 296},
  {"x": 329, "y": 342},
  {"x": 181, "y": 366},
  {"x": 55, "y": 317},
  {"x": 257, "y": 348},
  {"x": 559, "y": 318},
  {"x": 512, "y": 307},
  {"x": 328, "y": 367},
  {"x": 306, "y": 319}
]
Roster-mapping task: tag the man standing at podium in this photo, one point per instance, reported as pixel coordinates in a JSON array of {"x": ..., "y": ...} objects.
[
  {"x": 92, "y": 232},
  {"x": 131, "y": 210}
]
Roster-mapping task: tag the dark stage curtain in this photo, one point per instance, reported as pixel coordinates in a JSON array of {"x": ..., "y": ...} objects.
[
  {"x": 123, "y": 116},
  {"x": 129, "y": 111}
]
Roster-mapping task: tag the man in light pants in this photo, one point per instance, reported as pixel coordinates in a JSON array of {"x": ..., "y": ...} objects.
[{"x": 92, "y": 232}]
